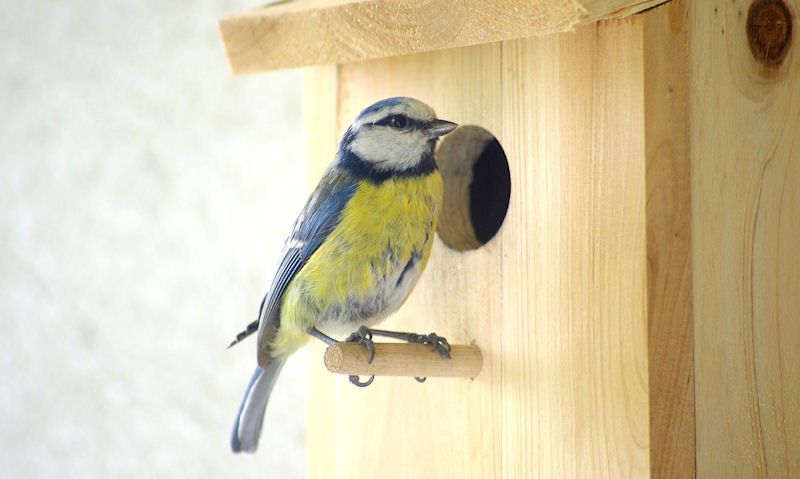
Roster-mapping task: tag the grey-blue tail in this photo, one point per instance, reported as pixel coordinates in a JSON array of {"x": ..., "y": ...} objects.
[{"x": 247, "y": 427}]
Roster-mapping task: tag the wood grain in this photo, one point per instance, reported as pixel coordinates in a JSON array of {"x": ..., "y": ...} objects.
[
  {"x": 320, "y": 106},
  {"x": 315, "y": 32},
  {"x": 669, "y": 265},
  {"x": 638, "y": 311},
  {"x": 574, "y": 339},
  {"x": 409, "y": 360},
  {"x": 556, "y": 301},
  {"x": 449, "y": 427},
  {"x": 745, "y": 160}
]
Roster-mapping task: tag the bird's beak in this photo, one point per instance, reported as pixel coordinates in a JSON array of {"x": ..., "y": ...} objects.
[{"x": 438, "y": 128}]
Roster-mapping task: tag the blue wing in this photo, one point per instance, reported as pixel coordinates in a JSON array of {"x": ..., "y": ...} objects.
[{"x": 319, "y": 217}]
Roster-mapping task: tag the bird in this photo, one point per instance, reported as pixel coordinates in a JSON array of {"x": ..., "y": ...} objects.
[{"x": 356, "y": 250}]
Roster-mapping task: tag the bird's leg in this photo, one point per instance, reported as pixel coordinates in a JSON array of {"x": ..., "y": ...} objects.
[{"x": 322, "y": 336}]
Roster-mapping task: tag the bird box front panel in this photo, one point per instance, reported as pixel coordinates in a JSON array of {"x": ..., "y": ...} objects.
[{"x": 556, "y": 300}]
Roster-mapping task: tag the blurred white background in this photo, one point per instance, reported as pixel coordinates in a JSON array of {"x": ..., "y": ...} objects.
[{"x": 144, "y": 194}]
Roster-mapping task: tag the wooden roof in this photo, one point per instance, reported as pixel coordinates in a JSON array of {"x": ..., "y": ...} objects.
[{"x": 297, "y": 33}]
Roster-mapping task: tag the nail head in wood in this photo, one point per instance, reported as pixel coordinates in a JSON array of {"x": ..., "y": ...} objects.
[{"x": 400, "y": 359}]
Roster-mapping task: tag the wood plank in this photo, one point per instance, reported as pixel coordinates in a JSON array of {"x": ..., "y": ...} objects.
[
  {"x": 320, "y": 108},
  {"x": 444, "y": 428},
  {"x": 574, "y": 340},
  {"x": 745, "y": 160},
  {"x": 669, "y": 272},
  {"x": 315, "y": 32},
  {"x": 556, "y": 302}
]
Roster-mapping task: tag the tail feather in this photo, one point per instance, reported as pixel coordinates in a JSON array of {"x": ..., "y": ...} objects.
[
  {"x": 247, "y": 427},
  {"x": 251, "y": 328}
]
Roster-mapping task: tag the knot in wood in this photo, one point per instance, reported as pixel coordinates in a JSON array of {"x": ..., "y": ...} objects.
[{"x": 769, "y": 31}]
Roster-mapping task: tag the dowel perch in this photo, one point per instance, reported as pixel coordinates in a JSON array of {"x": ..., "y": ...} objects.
[{"x": 401, "y": 359}]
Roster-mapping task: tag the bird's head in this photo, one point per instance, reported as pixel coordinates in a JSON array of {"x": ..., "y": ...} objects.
[{"x": 393, "y": 135}]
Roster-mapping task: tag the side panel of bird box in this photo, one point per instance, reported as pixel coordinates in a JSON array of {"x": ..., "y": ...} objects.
[
  {"x": 556, "y": 301},
  {"x": 745, "y": 156}
]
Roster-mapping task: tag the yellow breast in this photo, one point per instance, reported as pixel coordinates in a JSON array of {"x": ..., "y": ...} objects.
[{"x": 381, "y": 227}]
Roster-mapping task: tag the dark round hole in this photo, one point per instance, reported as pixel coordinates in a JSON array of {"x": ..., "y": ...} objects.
[{"x": 477, "y": 185}]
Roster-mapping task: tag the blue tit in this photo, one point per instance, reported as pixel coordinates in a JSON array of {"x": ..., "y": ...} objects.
[{"x": 358, "y": 247}]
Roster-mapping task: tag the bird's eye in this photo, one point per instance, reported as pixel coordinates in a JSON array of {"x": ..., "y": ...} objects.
[{"x": 398, "y": 121}]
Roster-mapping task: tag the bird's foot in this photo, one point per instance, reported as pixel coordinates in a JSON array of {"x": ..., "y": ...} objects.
[
  {"x": 438, "y": 343},
  {"x": 363, "y": 336}
]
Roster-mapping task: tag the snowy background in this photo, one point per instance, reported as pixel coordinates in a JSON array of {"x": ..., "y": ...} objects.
[{"x": 144, "y": 194}]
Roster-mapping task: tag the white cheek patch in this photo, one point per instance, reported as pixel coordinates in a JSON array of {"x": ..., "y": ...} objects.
[{"x": 388, "y": 149}]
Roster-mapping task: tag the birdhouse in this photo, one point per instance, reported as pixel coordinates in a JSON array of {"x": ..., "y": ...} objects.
[{"x": 620, "y": 236}]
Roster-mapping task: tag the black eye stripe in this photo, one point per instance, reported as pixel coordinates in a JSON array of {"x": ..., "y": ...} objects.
[{"x": 411, "y": 123}]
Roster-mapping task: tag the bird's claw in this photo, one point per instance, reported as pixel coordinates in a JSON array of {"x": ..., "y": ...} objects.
[
  {"x": 438, "y": 343},
  {"x": 362, "y": 336},
  {"x": 355, "y": 380}
]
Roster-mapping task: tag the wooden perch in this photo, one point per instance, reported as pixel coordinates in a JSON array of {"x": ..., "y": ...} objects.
[
  {"x": 401, "y": 359},
  {"x": 298, "y": 33}
]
